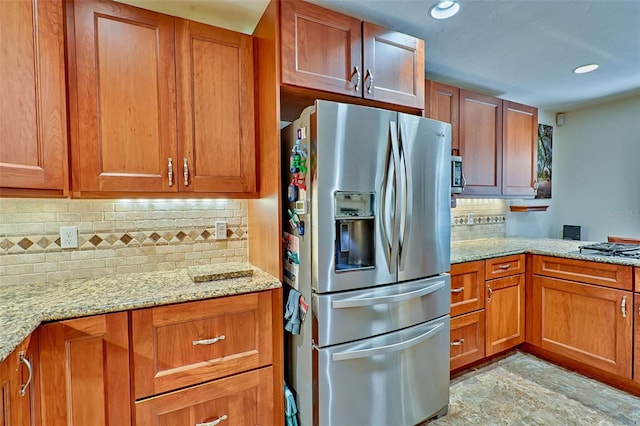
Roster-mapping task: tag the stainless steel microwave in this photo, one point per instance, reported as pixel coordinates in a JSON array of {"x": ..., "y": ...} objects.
[{"x": 457, "y": 179}]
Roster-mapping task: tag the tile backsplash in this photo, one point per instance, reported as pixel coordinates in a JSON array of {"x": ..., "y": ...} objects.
[
  {"x": 115, "y": 236},
  {"x": 488, "y": 217}
]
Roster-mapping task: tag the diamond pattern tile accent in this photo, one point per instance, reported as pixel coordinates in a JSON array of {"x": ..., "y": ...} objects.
[
  {"x": 39, "y": 243},
  {"x": 25, "y": 243},
  {"x": 6, "y": 244}
]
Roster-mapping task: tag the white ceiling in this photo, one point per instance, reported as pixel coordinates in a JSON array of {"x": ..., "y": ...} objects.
[{"x": 521, "y": 50}]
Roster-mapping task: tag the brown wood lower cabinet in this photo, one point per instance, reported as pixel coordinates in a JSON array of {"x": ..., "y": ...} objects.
[
  {"x": 180, "y": 345},
  {"x": 467, "y": 339},
  {"x": 243, "y": 399},
  {"x": 19, "y": 385},
  {"x": 590, "y": 324},
  {"x": 84, "y": 371},
  {"x": 505, "y": 313},
  {"x": 636, "y": 357}
]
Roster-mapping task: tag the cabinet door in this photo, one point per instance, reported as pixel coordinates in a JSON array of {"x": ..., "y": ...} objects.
[
  {"x": 393, "y": 66},
  {"x": 590, "y": 324},
  {"x": 185, "y": 344},
  {"x": 18, "y": 385},
  {"x": 519, "y": 149},
  {"x": 443, "y": 104},
  {"x": 216, "y": 130},
  {"x": 84, "y": 371},
  {"x": 243, "y": 399},
  {"x": 33, "y": 132},
  {"x": 636, "y": 357},
  {"x": 124, "y": 90},
  {"x": 320, "y": 49},
  {"x": 467, "y": 339},
  {"x": 505, "y": 313},
  {"x": 467, "y": 287},
  {"x": 481, "y": 143}
]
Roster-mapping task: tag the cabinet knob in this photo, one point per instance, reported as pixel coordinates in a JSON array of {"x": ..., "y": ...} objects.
[
  {"x": 457, "y": 290},
  {"x": 457, "y": 342},
  {"x": 490, "y": 298},
  {"x": 370, "y": 75},
  {"x": 505, "y": 266},
  {"x": 623, "y": 306},
  {"x": 357, "y": 72}
]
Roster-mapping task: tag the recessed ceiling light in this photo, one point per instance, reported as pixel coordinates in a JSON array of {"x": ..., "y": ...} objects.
[
  {"x": 586, "y": 68},
  {"x": 444, "y": 9}
]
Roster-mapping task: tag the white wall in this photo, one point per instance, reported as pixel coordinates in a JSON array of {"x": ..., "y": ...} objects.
[
  {"x": 596, "y": 175},
  {"x": 596, "y": 166}
]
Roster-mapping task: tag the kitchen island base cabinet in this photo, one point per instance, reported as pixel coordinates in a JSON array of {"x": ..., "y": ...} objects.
[
  {"x": 467, "y": 339},
  {"x": 243, "y": 399},
  {"x": 84, "y": 371},
  {"x": 588, "y": 323}
]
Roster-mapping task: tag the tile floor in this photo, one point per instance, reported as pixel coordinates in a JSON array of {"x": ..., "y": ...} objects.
[{"x": 520, "y": 389}]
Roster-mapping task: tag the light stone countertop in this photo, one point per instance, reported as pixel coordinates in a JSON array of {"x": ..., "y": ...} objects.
[
  {"x": 24, "y": 307},
  {"x": 487, "y": 248}
]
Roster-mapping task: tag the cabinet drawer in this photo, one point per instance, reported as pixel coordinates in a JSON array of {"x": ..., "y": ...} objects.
[
  {"x": 467, "y": 339},
  {"x": 184, "y": 344},
  {"x": 606, "y": 274},
  {"x": 504, "y": 266},
  {"x": 467, "y": 287},
  {"x": 244, "y": 399}
]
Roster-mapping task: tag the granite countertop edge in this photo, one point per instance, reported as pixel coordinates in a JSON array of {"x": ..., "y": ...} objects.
[{"x": 24, "y": 307}]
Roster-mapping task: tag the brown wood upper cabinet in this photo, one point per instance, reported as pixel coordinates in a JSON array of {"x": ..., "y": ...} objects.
[
  {"x": 443, "y": 104},
  {"x": 496, "y": 138},
  {"x": 33, "y": 130},
  {"x": 519, "y": 149},
  {"x": 158, "y": 104},
  {"x": 481, "y": 143},
  {"x": 326, "y": 50}
]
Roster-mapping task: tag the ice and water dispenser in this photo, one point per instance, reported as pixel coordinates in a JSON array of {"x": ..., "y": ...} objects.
[{"x": 355, "y": 230}]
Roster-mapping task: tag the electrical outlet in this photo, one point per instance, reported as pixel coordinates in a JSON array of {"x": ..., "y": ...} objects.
[
  {"x": 221, "y": 230},
  {"x": 68, "y": 237},
  {"x": 470, "y": 220}
]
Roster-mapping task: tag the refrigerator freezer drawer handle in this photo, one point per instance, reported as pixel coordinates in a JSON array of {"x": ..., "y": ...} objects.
[
  {"x": 366, "y": 353},
  {"x": 357, "y": 302}
]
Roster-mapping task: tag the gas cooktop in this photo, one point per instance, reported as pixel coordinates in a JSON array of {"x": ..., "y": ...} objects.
[{"x": 612, "y": 249}]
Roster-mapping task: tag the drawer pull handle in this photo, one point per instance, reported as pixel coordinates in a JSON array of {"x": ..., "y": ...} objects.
[
  {"x": 215, "y": 422},
  {"x": 505, "y": 266},
  {"x": 490, "y": 294},
  {"x": 170, "y": 166},
  {"x": 457, "y": 290},
  {"x": 185, "y": 171},
  {"x": 457, "y": 342},
  {"x": 208, "y": 342},
  {"x": 24, "y": 386},
  {"x": 623, "y": 306}
]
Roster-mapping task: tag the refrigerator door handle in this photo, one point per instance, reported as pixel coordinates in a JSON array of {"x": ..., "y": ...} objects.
[
  {"x": 358, "y": 302},
  {"x": 395, "y": 149},
  {"x": 385, "y": 217},
  {"x": 366, "y": 353},
  {"x": 406, "y": 188}
]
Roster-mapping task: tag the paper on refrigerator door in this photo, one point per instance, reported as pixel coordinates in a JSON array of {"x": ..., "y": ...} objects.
[{"x": 291, "y": 260}]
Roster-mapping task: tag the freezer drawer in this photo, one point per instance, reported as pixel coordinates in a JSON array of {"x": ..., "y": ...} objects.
[
  {"x": 353, "y": 315},
  {"x": 400, "y": 378}
]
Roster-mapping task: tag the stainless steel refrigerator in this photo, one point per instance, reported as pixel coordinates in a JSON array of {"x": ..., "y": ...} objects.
[{"x": 367, "y": 241}]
